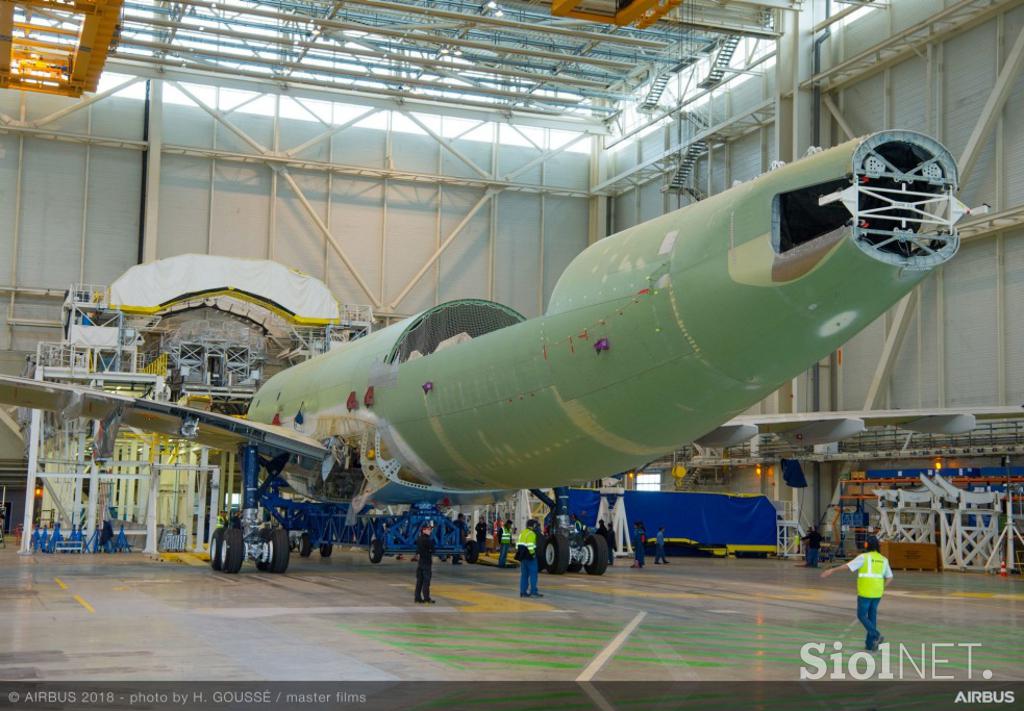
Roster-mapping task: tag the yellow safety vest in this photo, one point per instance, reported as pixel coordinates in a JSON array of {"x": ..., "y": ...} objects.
[
  {"x": 529, "y": 539},
  {"x": 871, "y": 575},
  {"x": 506, "y": 536}
]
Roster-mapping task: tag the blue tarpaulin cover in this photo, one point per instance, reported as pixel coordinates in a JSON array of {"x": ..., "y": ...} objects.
[{"x": 707, "y": 519}]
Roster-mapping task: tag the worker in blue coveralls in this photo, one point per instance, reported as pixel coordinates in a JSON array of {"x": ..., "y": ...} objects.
[
  {"x": 659, "y": 547},
  {"x": 463, "y": 528},
  {"x": 639, "y": 540}
]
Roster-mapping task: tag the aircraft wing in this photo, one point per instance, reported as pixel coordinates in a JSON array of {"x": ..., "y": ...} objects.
[
  {"x": 807, "y": 428},
  {"x": 207, "y": 428}
]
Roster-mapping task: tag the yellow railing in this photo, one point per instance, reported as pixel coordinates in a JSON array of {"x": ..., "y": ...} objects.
[{"x": 157, "y": 366}]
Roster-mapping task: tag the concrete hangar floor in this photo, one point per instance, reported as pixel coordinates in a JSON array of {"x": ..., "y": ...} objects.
[{"x": 127, "y": 617}]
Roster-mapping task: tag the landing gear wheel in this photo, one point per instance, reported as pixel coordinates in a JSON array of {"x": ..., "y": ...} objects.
[
  {"x": 234, "y": 551},
  {"x": 280, "y": 553},
  {"x": 376, "y": 550},
  {"x": 326, "y": 549},
  {"x": 598, "y": 555},
  {"x": 541, "y": 552},
  {"x": 264, "y": 565},
  {"x": 556, "y": 554},
  {"x": 305, "y": 547},
  {"x": 217, "y": 549},
  {"x": 472, "y": 552}
]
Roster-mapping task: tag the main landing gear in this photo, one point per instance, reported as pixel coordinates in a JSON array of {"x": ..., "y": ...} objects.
[
  {"x": 268, "y": 547},
  {"x": 565, "y": 549}
]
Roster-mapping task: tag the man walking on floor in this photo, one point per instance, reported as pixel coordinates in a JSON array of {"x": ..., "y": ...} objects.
[
  {"x": 424, "y": 563},
  {"x": 526, "y": 554},
  {"x": 873, "y": 574},
  {"x": 659, "y": 547}
]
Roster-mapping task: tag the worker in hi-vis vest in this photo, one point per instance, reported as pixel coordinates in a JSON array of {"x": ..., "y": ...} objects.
[
  {"x": 506, "y": 543},
  {"x": 526, "y": 554},
  {"x": 873, "y": 574}
]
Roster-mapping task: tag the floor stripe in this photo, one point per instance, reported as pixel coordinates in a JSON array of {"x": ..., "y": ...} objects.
[
  {"x": 84, "y": 604},
  {"x": 601, "y": 659},
  {"x": 61, "y": 583}
]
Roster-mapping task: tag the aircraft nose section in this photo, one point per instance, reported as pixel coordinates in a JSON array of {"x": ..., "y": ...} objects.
[{"x": 902, "y": 198}]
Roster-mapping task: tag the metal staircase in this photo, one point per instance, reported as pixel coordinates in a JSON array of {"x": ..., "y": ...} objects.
[
  {"x": 661, "y": 81},
  {"x": 654, "y": 93},
  {"x": 689, "y": 158},
  {"x": 721, "y": 62}
]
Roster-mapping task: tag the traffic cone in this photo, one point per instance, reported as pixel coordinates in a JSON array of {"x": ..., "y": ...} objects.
[{"x": 1002, "y": 569}]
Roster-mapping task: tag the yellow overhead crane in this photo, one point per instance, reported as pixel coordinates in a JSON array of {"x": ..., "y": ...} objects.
[
  {"x": 642, "y": 13},
  {"x": 56, "y": 47}
]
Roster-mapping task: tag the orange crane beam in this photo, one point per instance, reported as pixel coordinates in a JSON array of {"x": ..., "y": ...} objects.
[{"x": 643, "y": 13}]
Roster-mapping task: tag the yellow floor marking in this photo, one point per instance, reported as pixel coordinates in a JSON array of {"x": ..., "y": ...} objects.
[
  {"x": 199, "y": 560},
  {"x": 84, "y": 604},
  {"x": 636, "y": 592},
  {"x": 989, "y": 596},
  {"x": 61, "y": 583},
  {"x": 486, "y": 602}
]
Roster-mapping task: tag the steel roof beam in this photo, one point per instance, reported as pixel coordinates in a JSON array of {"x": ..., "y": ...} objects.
[
  {"x": 159, "y": 68},
  {"x": 338, "y": 49},
  {"x": 510, "y": 24}
]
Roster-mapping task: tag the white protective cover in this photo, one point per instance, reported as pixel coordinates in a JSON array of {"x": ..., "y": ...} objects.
[{"x": 147, "y": 286}]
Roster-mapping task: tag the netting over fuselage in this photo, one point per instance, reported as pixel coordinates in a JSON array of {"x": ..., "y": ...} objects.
[{"x": 451, "y": 323}]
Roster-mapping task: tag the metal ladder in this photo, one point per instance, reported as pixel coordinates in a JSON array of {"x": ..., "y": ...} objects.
[
  {"x": 689, "y": 158},
  {"x": 721, "y": 62}
]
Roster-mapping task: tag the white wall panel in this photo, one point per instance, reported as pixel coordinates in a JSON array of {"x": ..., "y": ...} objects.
[
  {"x": 357, "y": 217},
  {"x": 49, "y": 247},
  {"x": 8, "y": 201},
  {"x": 863, "y": 105},
  {"x": 361, "y": 146},
  {"x": 410, "y": 234},
  {"x": 970, "y": 321},
  {"x": 112, "y": 217},
  {"x": 969, "y": 60},
  {"x": 931, "y": 368},
  {"x": 745, "y": 157},
  {"x": 860, "y": 355},
  {"x": 651, "y": 201},
  {"x": 517, "y": 252},
  {"x": 909, "y": 95},
  {"x": 565, "y": 236},
  {"x": 298, "y": 242},
  {"x": 465, "y": 266},
  {"x": 625, "y": 211},
  {"x": 241, "y": 210},
  {"x": 1013, "y": 256},
  {"x": 184, "y": 205},
  {"x": 568, "y": 170}
]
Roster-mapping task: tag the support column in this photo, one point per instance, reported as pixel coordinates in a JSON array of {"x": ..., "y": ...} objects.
[
  {"x": 94, "y": 493},
  {"x": 154, "y": 492},
  {"x": 154, "y": 134},
  {"x": 204, "y": 477},
  {"x": 30, "y": 483},
  {"x": 215, "y": 475}
]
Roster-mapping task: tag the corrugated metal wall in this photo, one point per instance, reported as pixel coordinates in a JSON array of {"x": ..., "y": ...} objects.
[
  {"x": 951, "y": 352},
  {"x": 77, "y": 204}
]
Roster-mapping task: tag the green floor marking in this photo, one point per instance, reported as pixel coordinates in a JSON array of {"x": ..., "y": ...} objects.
[
  {"x": 448, "y": 628},
  {"x": 416, "y": 648},
  {"x": 670, "y": 662},
  {"x": 449, "y": 641}
]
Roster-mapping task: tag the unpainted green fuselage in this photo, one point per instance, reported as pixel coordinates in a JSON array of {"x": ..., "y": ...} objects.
[{"x": 702, "y": 317}]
